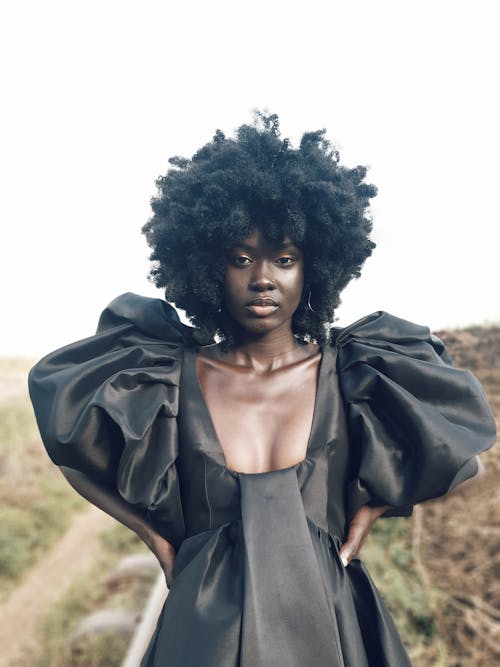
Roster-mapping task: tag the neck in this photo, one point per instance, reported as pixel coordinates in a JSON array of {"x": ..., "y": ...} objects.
[{"x": 266, "y": 353}]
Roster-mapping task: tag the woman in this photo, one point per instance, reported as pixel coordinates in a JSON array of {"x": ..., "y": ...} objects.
[{"x": 254, "y": 467}]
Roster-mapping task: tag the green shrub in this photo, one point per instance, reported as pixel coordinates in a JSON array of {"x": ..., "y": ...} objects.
[{"x": 389, "y": 559}]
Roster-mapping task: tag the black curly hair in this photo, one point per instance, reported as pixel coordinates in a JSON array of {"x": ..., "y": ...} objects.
[{"x": 207, "y": 204}]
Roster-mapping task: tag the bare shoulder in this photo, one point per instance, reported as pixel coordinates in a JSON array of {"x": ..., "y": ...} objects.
[{"x": 213, "y": 351}]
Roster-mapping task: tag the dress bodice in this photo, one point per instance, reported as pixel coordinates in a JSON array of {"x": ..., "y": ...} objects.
[{"x": 210, "y": 496}]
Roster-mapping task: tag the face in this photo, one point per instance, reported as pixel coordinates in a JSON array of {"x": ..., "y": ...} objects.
[{"x": 263, "y": 283}]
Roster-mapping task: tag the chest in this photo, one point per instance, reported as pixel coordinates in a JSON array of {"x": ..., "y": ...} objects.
[{"x": 262, "y": 421}]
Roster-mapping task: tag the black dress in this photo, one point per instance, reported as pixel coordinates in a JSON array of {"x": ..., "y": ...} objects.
[{"x": 258, "y": 580}]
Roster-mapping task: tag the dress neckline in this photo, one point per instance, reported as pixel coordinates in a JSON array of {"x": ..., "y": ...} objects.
[{"x": 195, "y": 384}]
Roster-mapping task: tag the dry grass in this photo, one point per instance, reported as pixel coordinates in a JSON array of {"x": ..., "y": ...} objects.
[
  {"x": 36, "y": 502},
  {"x": 460, "y": 541},
  {"x": 92, "y": 592},
  {"x": 445, "y": 593}
]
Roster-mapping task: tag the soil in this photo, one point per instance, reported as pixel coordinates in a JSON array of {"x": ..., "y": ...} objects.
[{"x": 45, "y": 583}]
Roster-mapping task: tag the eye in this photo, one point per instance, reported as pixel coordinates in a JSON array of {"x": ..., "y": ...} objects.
[
  {"x": 286, "y": 260},
  {"x": 240, "y": 260}
]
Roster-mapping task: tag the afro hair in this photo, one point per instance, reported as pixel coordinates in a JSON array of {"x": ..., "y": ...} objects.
[{"x": 206, "y": 205}]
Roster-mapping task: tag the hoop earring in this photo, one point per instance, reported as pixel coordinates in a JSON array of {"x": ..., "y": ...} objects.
[{"x": 309, "y": 303}]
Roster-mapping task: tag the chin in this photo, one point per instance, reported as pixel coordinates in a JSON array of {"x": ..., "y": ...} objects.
[{"x": 260, "y": 326}]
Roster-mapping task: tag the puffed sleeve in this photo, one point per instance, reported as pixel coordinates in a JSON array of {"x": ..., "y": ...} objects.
[
  {"x": 416, "y": 422},
  {"x": 107, "y": 405}
]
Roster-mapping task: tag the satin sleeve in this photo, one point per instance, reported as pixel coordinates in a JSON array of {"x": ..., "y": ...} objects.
[
  {"x": 416, "y": 422},
  {"x": 107, "y": 405}
]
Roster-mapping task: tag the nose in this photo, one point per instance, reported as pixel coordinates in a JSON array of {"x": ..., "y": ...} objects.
[
  {"x": 262, "y": 285},
  {"x": 261, "y": 280}
]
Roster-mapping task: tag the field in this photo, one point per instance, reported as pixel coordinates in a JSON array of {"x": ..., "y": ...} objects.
[
  {"x": 438, "y": 570},
  {"x": 36, "y": 504}
]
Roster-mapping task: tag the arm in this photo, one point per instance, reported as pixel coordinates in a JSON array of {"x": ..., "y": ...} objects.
[
  {"x": 110, "y": 501},
  {"x": 365, "y": 517}
]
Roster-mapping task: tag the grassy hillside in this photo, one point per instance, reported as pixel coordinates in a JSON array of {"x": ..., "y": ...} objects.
[
  {"x": 92, "y": 592},
  {"x": 439, "y": 570},
  {"x": 461, "y": 534},
  {"x": 36, "y": 502}
]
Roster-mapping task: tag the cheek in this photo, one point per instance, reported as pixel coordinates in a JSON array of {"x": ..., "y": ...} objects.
[
  {"x": 296, "y": 284},
  {"x": 232, "y": 286}
]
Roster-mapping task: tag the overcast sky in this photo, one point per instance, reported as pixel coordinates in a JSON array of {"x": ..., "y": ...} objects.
[{"x": 97, "y": 95}]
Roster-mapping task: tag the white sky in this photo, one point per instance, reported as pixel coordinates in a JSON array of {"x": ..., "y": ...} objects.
[{"x": 97, "y": 95}]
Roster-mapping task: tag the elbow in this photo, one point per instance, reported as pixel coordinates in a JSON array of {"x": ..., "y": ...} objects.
[
  {"x": 72, "y": 475},
  {"x": 480, "y": 469},
  {"x": 67, "y": 472},
  {"x": 463, "y": 484}
]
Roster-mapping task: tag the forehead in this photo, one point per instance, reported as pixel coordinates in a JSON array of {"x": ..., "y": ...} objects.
[{"x": 257, "y": 239}]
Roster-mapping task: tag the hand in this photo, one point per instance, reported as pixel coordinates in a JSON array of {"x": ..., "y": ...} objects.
[{"x": 359, "y": 529}]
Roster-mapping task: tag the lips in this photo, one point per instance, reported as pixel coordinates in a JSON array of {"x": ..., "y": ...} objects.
[
  {"x": 262, "y": 301},
  {"x": 262, "y": 307}
]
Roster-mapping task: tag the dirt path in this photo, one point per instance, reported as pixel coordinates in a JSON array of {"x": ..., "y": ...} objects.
[{"x": 44, "y": 584}]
